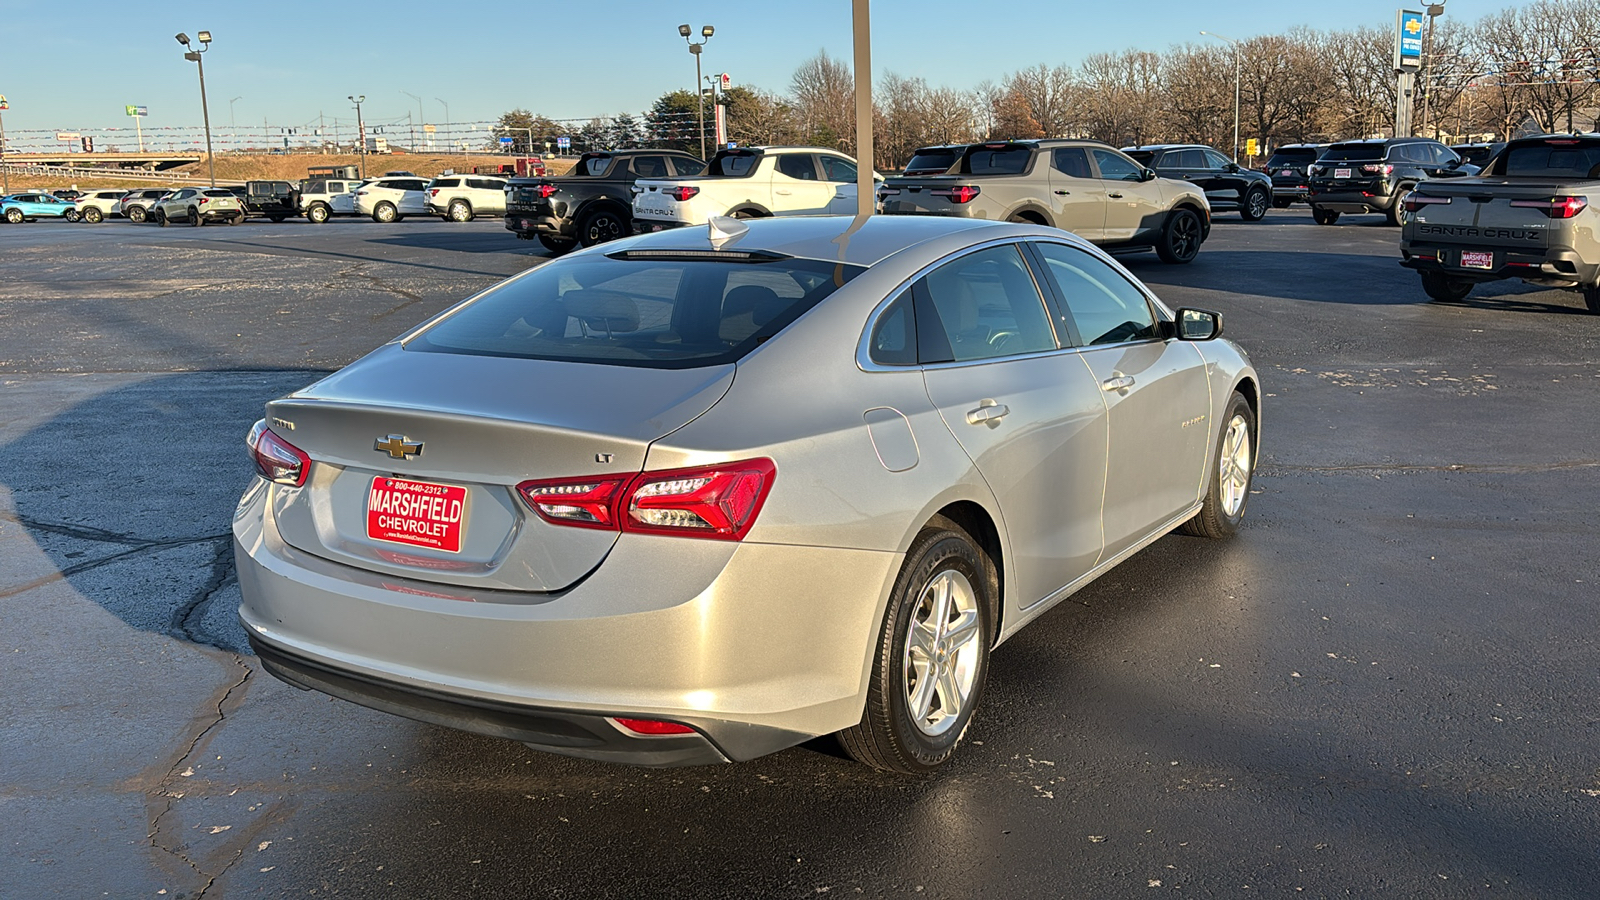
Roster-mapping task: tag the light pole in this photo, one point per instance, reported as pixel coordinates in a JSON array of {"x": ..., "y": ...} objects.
[
  {"x": 361, "y": 131},
  {"x": 699, "y": 98},
  {"x": 1435, "y": 10},
  {"x": 232, "y": 122},
  {"x": 194, "y": 55},
  {"x": 446, "y": 121},
  {"x": 420, "y": 119},
  {"x": 4, "y": 172},
  {"x": 1235, "y": 153}
]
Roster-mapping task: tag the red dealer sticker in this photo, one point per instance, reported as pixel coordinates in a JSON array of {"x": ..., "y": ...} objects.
[{"x": 416, "y": 512}]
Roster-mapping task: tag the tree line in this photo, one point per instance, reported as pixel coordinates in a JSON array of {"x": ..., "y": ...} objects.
[{"x": 1534, "y": 67}]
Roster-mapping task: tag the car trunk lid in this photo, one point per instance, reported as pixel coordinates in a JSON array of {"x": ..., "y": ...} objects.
[{"x": 1489, "y": 213}]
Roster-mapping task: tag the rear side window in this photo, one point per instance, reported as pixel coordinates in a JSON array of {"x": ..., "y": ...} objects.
[
  {"x": 798, "y": 166},
  {"x": 659, "y": 313},
  {"x": 980, "y": 306},
  {"x": 1353, "y": 152},
  {"x": 1570, "y": 159},
  {"x": 996, "y": 159},
  {"x": 446, "y": 182},
  {"x": 894, "y": 337},
  {"x": 650, "y": 167},
  {"x": 1072, "y": 161},
  {"x": 933, "y": 160},
  {"x": 688, "y": 167},
  {"x": 592, "y": 166},
  {"x": 734, "y": 165}
]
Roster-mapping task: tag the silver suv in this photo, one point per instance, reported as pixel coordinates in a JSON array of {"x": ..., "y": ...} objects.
[{"x": 460, "y": 197}]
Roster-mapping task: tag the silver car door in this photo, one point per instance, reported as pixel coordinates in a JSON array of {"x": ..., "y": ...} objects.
[
  {"x": 1027, "y": 413},
  {"x": 1155, "y": 388}
]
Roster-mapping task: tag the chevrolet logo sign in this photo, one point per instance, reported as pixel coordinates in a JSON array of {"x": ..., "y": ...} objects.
[
  {"x": 1413, "y": 25},
  {"x": 398, "y": 446}
]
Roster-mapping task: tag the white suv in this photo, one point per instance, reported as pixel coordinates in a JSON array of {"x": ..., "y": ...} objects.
[
  {"x": 324, "y": 198},
  {"x": 97, "y": 206},
  {"x": 392, "y": 197},
  {"x": 751, "y": 182},
  {"x": 460, "y": 197}
]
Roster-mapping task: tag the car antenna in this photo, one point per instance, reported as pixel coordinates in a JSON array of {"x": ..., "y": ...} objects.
[{"x": 723, "y": 229}]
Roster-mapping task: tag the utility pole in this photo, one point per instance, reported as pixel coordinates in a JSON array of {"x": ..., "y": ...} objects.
[
  {"x": 5, "y": 172},
  {"x": 421, "y": 120},
  {"x": 1435, "y": 10},
  {"x": 361, "y": 131}
]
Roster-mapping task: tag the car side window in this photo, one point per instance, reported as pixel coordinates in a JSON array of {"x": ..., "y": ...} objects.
[
  {"x": 1214, "y": 160},
  {"x": 688, "y": 166},
  {"x": 650, "y": 166},
  {"x": 1072, "y": 162},
  {"x": 836, "y": 169},
  {"x": 1105, "y": 306},
  {"x": 1115, "y": 167},
  {"x": 981, "y": 306},
  {"x": 894, "y": 335},
  {"x": 1185, "y": 159},
  {"x": 798, "y": 166}
]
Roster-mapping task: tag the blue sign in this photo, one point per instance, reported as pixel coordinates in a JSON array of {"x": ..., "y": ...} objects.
[
  {"x": 1408, "y": 39},
  {"x": 506, "y": 141},
  {"x": 564, "y": 142}
]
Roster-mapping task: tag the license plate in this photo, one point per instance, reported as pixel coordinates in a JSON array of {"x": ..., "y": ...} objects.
[
  {"x": 1341, "y": 173},
  {"x": 1477, "y": 259},
  {"x": 417, "y": 513},
  {"x": 1287, "y": 173}
]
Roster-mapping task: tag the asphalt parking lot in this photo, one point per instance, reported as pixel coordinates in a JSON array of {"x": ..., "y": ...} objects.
[{"x": 1383, "y": 687}]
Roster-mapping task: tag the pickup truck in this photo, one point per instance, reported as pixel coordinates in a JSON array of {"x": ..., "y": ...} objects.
[
  {"x": 275, "y": 200},
  {"x": 593, "y": 202},
  {"x": 748, "y": 183},
  {"x": 1534, "y": 215},
  {"x": 1088, "y": 188}
]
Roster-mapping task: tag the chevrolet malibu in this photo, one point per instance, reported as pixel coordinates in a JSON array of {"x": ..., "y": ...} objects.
[{"x": 701, "y": 495}]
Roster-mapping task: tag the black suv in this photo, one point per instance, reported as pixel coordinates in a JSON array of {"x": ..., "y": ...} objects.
[
  {"x": 591, "y": 203},
  {"x": 1376, "y": 176},
  {"x": 1287, "y": 168},
  {"x": 1227, "y": 184}
]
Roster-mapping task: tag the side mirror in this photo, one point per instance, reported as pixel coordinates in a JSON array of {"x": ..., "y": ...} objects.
[
  {"x": 1453, "y": 164},
  {"x": 1197, "y": 325},
  {"x": 1147, "y": 175},
  {"x": 1232, "y": 167}
]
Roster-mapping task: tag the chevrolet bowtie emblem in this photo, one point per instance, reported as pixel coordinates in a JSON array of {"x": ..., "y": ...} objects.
[{"x": 397, "y": 446}]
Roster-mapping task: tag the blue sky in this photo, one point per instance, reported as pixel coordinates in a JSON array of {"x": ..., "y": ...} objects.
[{"x": 290, "y": 61}]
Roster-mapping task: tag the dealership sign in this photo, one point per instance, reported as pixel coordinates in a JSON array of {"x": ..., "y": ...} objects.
[
  {"x": 136, "y": 110},
  {"x": 1407, "y": 39}
]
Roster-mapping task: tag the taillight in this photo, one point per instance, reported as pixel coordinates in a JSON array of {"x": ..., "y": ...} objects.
[
  {"x": 681, "y": 193},
  {"x": 652, "y": 727},
  {"x": 1376, "y": 168},
  {"x": 1556, "y": 207},
  {"x": 1314, "y": 170},
  {"x": 720, "y": 501},
  {"x": 204, "y": 200},
  {"x": 1415, "y": 202},
  {"x": 276, "y": 459},
  {"x": 962, "y": 194},
  {"x": 545, "y": 191},
  {"x": 433, "y": 192}
]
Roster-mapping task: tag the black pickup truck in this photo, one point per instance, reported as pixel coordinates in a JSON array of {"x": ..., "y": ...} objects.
[
  {"x": 275, "y": 200},
  {"x": 593, "y": 202}
]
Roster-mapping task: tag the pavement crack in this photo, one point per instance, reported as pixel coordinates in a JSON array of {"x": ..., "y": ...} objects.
[
  {"x": 188, "y": 620},
  {"x": 138, "y": 549}
]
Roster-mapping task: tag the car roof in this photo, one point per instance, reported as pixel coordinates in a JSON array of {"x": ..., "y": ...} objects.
[
  {"x": 1168, "y": 147},
  {"x": 831, "y": 238}
]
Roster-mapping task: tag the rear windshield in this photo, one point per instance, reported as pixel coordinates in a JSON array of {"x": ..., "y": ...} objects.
[
  {"x": 1142, "y": 157},
  {"x": 219, "y": 193},
  {"x": 659, "y": 313},
  {"x": 1293, "y": 157},
  {"x": 591, "y": 166},
  {"x": 996, "y": 159},
  {"x": 445, "y": 182},
  {"x": 1553, "y": 160},
  {"x": 1353, "y": 152},
  {"x": 932, "y": 160},
  {"x": 734, "y": 165}
]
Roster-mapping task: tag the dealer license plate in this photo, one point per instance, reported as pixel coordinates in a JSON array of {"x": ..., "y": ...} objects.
[
  {"x": 1341, "y": 173},
  {"x": 1477, "y": 259},
  {"x": 1287, "y": 173},
  {"x": 418, "y": 513}
]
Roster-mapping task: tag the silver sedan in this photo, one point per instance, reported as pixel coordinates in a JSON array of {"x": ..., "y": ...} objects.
[{"x": 702, "y": 495}]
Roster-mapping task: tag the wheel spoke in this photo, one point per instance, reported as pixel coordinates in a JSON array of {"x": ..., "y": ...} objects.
[
  {"x": 962, "y": 631},
  {"x": 922, "y": 640},
  {"x": 921, "y": 699},
  {"x": 940, "y": 616},
  {"x": 951, "y": 699}
]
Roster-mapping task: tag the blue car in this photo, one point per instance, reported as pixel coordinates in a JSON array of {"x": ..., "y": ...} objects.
[{"x": 28, "y": 207}]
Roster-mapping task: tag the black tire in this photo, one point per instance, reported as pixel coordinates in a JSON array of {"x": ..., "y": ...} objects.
[
  {"x": 601, "y": 225},
  {"x": 136, "y": 214},
  {"x": 889, "y": 735},
  {"x": 1445, "y": 289},
  {"x": 318, "y": 213},
  {"x": 277, "y": 218},
  {"x": 1324, "y": 216},
  {"x": 458, "y": 211},
  {"x": 1396, "y": 213},
  {"x": 14, "y": 216},
  {"x": 93, "y": 215},
  {"x": 160, "y": 217},
  {"x": 558, "y": 245},
  {"x": 236, "y": 220},
  {"x": 1591, "y": 298},
  {"x": 72, "y": 216},
  {"x": 748, "y": 214},
  {"x": 385, "y": 212},
  {"x": 194, "y": 218},
  {"x": 1230, "y": 478},
  {"x": 1180, "y": 239},
  {"x": 1256, "y": 202}
]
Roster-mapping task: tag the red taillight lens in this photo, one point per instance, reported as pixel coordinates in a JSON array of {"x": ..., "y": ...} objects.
[
  {"x": 204, "y": 200},
  {"x": 276, "y": 459},
  {"x": 545, "y": 191},
  {"x": 1556, "y": 207},
  {"x": 1415, "y": 202},
  {"x": 1374, "y": 169},
  {"x": 681, "y": 193},
  {"x": 433, "y": 192},
  {"x": 584, "y": 502},
  {"x": 652, "y": 727},
  {"x": 962, "y": 194}
]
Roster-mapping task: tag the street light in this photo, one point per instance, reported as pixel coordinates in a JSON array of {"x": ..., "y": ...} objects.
[
  {"x": 446, "y": 121},
  {"x": 232, "y": 122},
  {"x": 1235, "y": 44},
  {"x": 1435, "y": 10},
  {"x": 194, "y": 55},
  {"x": 700, "y": 100},
  {"x": 420, "y": 119},
  {"x": 361, "y": 131}
]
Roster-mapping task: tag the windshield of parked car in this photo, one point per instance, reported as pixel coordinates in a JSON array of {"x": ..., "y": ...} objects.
[
  {"x": 1293, "y": 157},
  {"x": 732, "y": 164},
  {"x": 1353, "y": 152},
  {"x": 932, "y": 160},
  {"x": 1552, "y": 159},
  {"x": 668, "y": 313},
  {"x": 996, "y": 159}
]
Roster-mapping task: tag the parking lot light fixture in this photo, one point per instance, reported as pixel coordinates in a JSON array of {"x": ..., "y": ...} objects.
[
  {"x": 194, "y": 56},
  {"x": 1235, "y": 152},
  {"x": 706, "y": 31},
  {"x": 361, "y": 131},
  {"x": 446, "y": 121}
]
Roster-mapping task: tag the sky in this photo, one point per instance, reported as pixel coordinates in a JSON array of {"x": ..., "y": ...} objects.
[{"x": 288, "y": 62}]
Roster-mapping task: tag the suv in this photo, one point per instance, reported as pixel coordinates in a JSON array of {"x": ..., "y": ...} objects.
[
  {"x": 1287, "y": 168},
  {"x": 276, "y": 200},
  {"x": 1376, "y": 176},
  {"x": 197, "y": 206},
  {"x": 392, "y": 197},
  {"x": 324, "y": 198},
  {"x": 1084, "y": 187},
  {"x": 1533, "y": 215},
  {"x": 457, "y": 198},
  {"x": 751, "y": 183},
  {"x": 97, "y": 206},
  {"x": 1228, "y": 185},
  {"x": 1478, "y": 154},
  {"x": 594, "y": 201},
  {"x": 135, "y": 205}
]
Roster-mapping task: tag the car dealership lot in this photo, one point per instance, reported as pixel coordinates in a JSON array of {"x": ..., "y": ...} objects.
[{"x": 1382, "y": 686}]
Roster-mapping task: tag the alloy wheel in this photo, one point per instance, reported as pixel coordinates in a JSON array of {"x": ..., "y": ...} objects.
[
  {"x": 1234, "y": 469},
  {"x": 942, "y": 653}
]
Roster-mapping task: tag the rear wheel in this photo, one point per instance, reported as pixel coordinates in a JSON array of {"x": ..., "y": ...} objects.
[
  {"x": 1255, "y": 205},
  {"x": 277, "y": 218},
  {"x": 460, "y": 211},
  {"x": 1324, "y": 216},
  {"x": 194, "y": 217},
  {"x": 1232, "y": 472},
  {"x": 317, "y": 214},
  {"x": 136, "y": 214},
  {"x": 1591, "y": 298},
  {"x": 93, "y": 215},
  {"x": 932, "y": 657},
  {"x": 1180, "y": 240},
  {"x": 600, "y": 226},
  {"x": 1396, "y": 213},
  {"x": 14, "y": 216},
  {"x": 557, "y": 245},
  {"x": 1444, "y": 288},
  {"x": 385, "y": 212}
]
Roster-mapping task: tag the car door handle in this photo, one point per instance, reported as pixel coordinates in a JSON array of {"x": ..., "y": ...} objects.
[
  {"x": 1062, "y": 193},
  {"x": 783, "y": 191},
  {"x": 988, "y": 411},
  {"x": 1119, "y": 383},
  {"x": 1115, "y": 196}
]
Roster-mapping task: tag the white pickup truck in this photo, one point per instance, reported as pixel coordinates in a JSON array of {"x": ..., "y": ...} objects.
[{"x": 749, "y": 183}]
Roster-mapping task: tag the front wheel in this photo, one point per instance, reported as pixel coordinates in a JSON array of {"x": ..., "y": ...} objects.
[
  {"x": 1180, "y": 240},
  {"x": 1255, "y": 205},
  {"x": 932, "y": 657},
  {"x": 72, "y": 215},
  {"x": 557, "y": 245},
  {"x": 1444, "y": 289},
  {"x": 384, "y": 212},
  {"x": 136, "y": 214},
  {"x": 160, "y": 217},
  {"x": 93, "y": 215},
  {"x": 1232, "y": 472},
  {"x": 1324, "y": 216}
]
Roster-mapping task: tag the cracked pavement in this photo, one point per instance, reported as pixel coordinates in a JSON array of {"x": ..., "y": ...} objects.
[{"x": 1383, "y": 687}]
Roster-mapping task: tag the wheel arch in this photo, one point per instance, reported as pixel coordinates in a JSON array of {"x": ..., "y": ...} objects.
[
  {"x": 1251, "y": 392},
  {"x": 970, "y": 517},
  {"x": 750, "y": 206},
  {"x": 1031, "y": 212},
  {"x": 1197, "y": 209}
]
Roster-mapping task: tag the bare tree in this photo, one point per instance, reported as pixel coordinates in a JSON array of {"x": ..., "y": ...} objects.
[
  {"x": 1049, "y": 94},
  {"x": 824, "y": 96}
]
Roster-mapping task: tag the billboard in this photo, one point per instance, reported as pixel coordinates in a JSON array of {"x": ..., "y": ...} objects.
[
  {"x": 136, "y": 110},
  {"x": 1407, "y": 39}
]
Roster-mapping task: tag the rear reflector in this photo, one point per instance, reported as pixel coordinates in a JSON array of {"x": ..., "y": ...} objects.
[
  {"x": 276, "y": 459},
  {"x": 652, "y": 728}
]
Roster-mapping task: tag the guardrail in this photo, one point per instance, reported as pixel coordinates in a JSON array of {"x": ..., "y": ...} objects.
[{"x": 74, "y": 172}]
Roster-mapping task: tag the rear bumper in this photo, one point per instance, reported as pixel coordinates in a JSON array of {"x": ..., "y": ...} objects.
[
  {"x": 534, "y": 223},
  {"x": 1556, "y": 267},
  {"x": 1294, "y": 190},
  {"x": 644, "y": 225},
  {"x": 1352, "y": 200}
]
